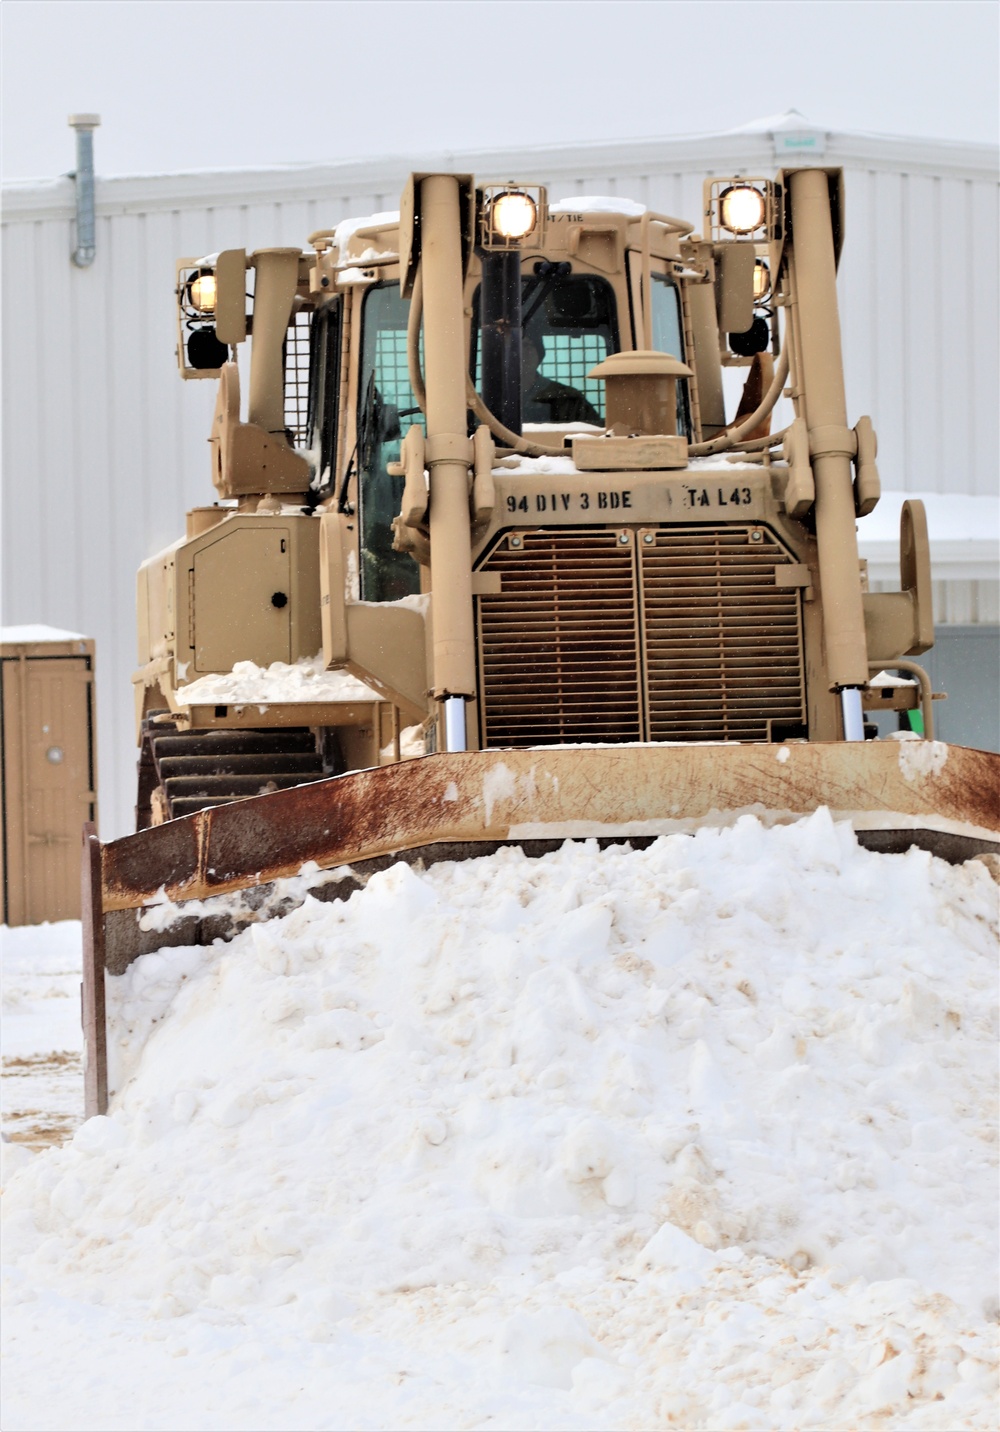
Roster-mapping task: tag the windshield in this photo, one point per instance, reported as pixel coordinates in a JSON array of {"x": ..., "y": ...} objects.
[{"x": 568, "y": 326}]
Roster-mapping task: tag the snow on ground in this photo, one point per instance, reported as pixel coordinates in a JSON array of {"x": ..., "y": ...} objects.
[
  {"x": 698, "y": 1136},
  {"x": 42, "y": 1083}
]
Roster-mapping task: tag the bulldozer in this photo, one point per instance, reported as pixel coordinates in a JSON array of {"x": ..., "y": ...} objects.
[{"x": 488, "y": 562}]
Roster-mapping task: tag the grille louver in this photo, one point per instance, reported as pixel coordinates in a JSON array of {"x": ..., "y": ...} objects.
[
  {"x": 723, "y": 643},
  {"x": 559, "y": 649},
  {"x": 672, "y": 634}
]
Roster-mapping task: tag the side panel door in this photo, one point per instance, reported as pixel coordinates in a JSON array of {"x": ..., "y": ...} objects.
[{"x": 241, "y": 599}]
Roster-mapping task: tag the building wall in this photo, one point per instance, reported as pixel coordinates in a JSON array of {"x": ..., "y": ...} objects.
[{"x": 104, "y": 447}]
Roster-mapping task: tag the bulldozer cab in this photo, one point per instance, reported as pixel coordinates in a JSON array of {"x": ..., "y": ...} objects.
[
  {"x": 572, "y": 317},
  {"x": 570, "y": 325}
]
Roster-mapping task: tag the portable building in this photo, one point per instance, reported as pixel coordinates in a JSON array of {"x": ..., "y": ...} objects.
[{"x": 48, "y": 771}]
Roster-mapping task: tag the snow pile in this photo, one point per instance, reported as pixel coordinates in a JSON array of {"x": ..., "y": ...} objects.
[
  {"x": 701, "y": 1135},
  {"x": 35, "y": 632},
  {"x": 536, "y": 466},
  {"x": 304, "y": 680},
  {"x": 559, "y": 466},
  {"x": 347, "y": 228},
  {"x": 598, "y": 204}
]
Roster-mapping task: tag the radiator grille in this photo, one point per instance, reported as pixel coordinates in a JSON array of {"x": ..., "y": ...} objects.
[
  {"x": 723, "y": 643},
  {"x": 671, "y": 634},
  {"x": 559, "y": 649}
]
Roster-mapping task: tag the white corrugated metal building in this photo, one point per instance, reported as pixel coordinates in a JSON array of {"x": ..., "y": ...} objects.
[{"x": 104, "y": 446}]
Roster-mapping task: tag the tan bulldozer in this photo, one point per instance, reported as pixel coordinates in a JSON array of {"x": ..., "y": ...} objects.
[{"x": 489, "y": 563}]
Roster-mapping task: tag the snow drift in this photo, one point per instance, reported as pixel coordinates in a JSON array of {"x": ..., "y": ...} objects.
[{"x": 701, "y": 1134}]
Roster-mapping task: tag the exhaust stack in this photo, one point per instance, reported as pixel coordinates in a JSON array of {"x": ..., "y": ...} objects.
[{"x": 86, "y": 230}]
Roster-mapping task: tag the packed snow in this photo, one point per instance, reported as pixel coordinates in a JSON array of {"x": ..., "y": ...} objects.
[
  {"x": 36, "y": 632},
  {"x": 304, "y": 680},
  {"x": 598, "y": 204},
  {"x": 347, "y": 228},
  {"x": 559, "y": 466},
  {"x": 42, "y": 1039},
  {"x": 701, "y": 1135}
]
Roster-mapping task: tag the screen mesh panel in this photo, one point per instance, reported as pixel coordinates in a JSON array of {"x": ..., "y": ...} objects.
[{"x": 665, "y": 634}]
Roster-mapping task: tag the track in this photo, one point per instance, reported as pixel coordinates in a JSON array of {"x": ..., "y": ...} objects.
[{"x": 181, "y": 772}]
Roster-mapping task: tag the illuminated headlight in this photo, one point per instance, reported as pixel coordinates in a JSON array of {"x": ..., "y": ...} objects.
[
  {"x": 201, "y": 292},
  {"x": 761, "y": 281},
  {"x": 513, "y": 215},
  {"x": 742, "y": 209}
]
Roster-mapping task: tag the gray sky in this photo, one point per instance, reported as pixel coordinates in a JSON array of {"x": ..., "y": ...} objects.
[{"x": 185, "y": 84}]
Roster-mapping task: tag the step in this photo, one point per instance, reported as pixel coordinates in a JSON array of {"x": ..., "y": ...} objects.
[
  {"x": 231, "y": 786},
  {"x": 242, "y": 763},
  {"x": 207, "y": 743},
  {"x": 187, "y": 805}
]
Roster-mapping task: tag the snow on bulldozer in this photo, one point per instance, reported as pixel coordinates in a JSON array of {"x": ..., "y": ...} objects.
[{"x": 489, "y": 564}]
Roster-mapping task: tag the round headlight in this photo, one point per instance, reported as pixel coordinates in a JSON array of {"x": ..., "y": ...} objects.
[
  {"x": 513, "y": 215},
  {"x": 742, "y": 209},
  {"x": 201, "y": 292},
  {"x": 761, "y": 280}
]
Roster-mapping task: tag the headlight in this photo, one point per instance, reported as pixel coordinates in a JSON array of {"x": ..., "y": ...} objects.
[
  {"x": 742, "y": 209},
  {"x": 513, "y": 215},
  {"x": 201, "y": 292},
  {"x": 761, "y": 281}
]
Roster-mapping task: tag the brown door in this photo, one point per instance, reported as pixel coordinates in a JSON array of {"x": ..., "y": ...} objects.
[{"x": 48, "y": 784}]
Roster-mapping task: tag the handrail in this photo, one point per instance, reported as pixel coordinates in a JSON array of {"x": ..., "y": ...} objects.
[{"x": 924, "y": 682}]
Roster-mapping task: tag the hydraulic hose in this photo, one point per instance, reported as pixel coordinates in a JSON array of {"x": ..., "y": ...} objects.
[
  {"x": 733, "y": 436},
  {"x": 726, "y": 441},
  {"x": 413, "y": 342},
  {"x": 475, "y": 402},
  {"x": 508, "y": 438}
]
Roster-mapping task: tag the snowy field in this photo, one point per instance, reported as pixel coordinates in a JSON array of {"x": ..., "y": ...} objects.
[{"x": 700, "y": 1136}]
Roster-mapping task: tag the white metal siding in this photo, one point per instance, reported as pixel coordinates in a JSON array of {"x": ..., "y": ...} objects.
[{"x": 104, "y": 448}]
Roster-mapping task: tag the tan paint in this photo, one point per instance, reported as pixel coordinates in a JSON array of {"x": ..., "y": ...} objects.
[
  {"x": 448, "y": 450},
  {"x": 820, "y": 376},
  {"x": 635, "y": 484},
  {"x": 48, "y": 776},
  {"x": 276, "y": 282}
]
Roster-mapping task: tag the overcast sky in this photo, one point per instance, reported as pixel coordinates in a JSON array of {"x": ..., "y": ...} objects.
[{"x": 184, "y": 84}]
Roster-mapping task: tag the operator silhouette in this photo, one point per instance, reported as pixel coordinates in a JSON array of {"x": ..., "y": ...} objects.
[{"x": 546, "y": 400}]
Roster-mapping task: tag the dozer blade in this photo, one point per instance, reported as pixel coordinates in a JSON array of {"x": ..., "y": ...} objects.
[
  {"x": 445, "y": 807},
  {"x": 894, "y": 793}
]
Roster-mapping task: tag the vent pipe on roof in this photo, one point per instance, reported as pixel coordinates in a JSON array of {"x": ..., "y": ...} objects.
[{"x": 86, "y": 230}]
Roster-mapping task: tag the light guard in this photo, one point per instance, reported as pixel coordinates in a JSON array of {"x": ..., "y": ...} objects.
[
  {"x": 491, "y": 202},
  {"x": 770, "y": 227}
]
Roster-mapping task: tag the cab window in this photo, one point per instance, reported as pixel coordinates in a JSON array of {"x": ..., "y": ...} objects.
[
  {"x": 324, "y": 389},
  {"x": 568, "y": 327},
  {"x": 386, "y": 408},
  {"x": 667, "y": 338}
]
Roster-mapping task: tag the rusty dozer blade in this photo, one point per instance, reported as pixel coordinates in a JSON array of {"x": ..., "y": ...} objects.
[{"x": 895, "y": 794}]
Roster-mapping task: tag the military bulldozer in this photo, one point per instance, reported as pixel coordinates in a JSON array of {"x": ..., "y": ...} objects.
[{"x": 483, "y": 504}]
